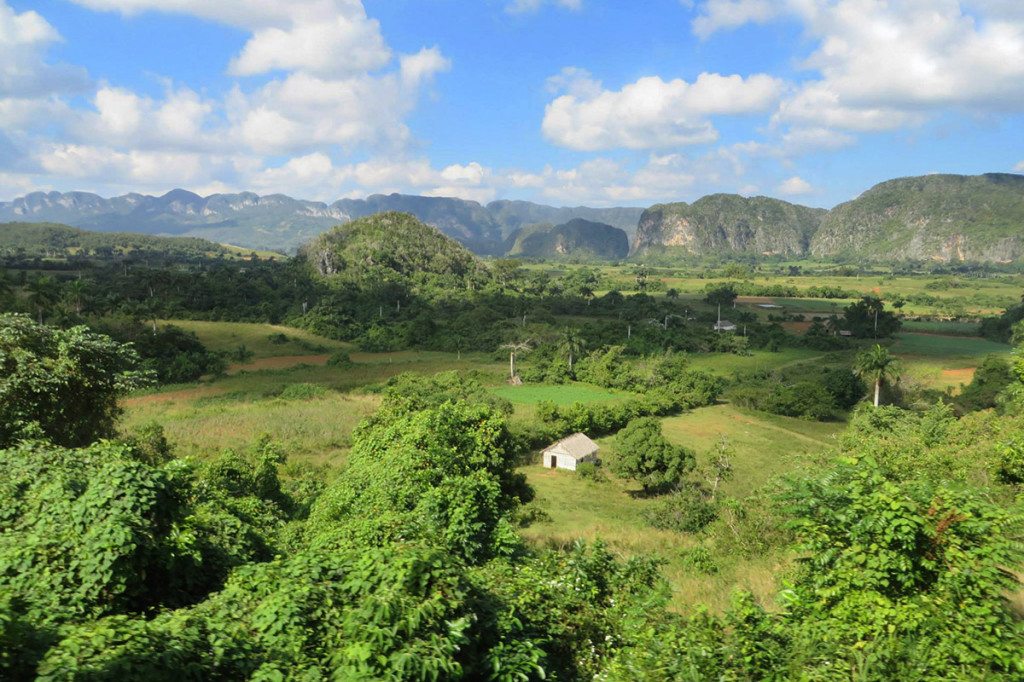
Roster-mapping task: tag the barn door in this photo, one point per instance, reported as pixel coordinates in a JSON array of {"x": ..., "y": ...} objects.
[{"x": 554, "y": 461}]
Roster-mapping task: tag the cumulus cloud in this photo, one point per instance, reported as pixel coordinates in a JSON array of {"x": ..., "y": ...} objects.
[
  {"x": 329, "y": 38},
  {"x": 330, "y": 87},
  {"x": 806, "y": 140},
  {"x": 795, "y": 186},
  {"x": 886, "y": 64},
  {"x": 717, "y": 15},
  {"x": 24, "y": 73},
  {"x": 1019, "y": 168},
  {"x": 650, "y": 113},
  {"x": 529, "y": 6}
]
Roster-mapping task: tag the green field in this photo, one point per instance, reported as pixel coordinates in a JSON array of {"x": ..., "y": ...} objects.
[
  {"x": 949, "y": 347},
  {"x": 763, "y": 446},
  {"x": 228, "y": 336},
  {"x": 941, "y": 327},
  {"x": 726, "y": 364},
  {"x": 943, "y": 362}
]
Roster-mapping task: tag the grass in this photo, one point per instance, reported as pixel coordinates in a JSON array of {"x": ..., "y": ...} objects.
[
  {"x": 726, "y": 364},
  {"x": 943, "y": 327},
  {"x": 943, "y": 362},
  {"x": 316, "y": 430},
  {"x": 946, "y": 347},
  {"x": 763, "y": 446},
  {"x": 228, "y": 336}
]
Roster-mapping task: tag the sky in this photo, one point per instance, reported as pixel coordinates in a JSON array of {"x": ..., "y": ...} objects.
[{"x": 564, "y": 102}]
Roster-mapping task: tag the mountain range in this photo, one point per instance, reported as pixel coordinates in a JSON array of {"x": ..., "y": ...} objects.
[
  {"x": 282, "y": 223},
  {"x": 931, "y": 217}
]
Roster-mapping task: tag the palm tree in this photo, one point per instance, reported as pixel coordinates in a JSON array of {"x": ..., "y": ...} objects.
[
  {"x": 514, "y": 348},
  {"x": 5, "y": 285},
  {"x": 573, "y": 343},
  {"x": 42, "y": 292},
  {"x": 877, "y": 365},
  {"x": 76, "y": 291}
]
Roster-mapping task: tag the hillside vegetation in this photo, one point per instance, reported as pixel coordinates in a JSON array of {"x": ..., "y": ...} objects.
[
  {"x": 577, "y": 240},
  {"x": 50, "y": 240},
  {"x": 728, "y": 223},
  {"x": 390, "y": 246},
  {"x": 934, "y": 217}
]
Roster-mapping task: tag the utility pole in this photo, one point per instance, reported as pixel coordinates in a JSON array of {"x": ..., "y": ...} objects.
[{"x": 719, "y": 325}]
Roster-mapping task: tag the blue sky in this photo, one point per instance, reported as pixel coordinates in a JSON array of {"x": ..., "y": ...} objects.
[{"x": 599, "y": 102}]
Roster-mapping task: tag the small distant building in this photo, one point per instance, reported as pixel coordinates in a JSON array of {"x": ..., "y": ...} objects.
[
  {"x": 769, "y": 306},
  {"x": 845, "y": 332},
  {"x": 569, "y": 452},
  {"x": 724, "y": 326}
]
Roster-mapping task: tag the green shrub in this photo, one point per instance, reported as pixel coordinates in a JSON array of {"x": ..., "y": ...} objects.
[
  {"x": 590, "y": 471},
  {"x": 685, "y": 511},
  {"x": 699, "y": 559},
  {"x": 340, "y": 358}
]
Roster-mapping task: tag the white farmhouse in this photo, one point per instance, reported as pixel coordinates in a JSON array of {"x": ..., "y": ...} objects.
[
  {"x": 568, "y": 452},
  {"x": 724, "y": 326}
]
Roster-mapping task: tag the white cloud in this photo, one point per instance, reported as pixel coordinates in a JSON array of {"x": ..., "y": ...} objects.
[
  {"x": 795, "y": 186},
  {"x": 422, "y": 66},
  {"x": 339, "y": 83},
  {"x": 1019, "y": 168},
  {"x": 717, "y": 15},
  {"x": 24, "y": 73},
  {"x": 329, "y": 38},
  {"x": 651, "y": 113},
  {"x": 340, "y": 46},
  {"x": 574, "y": 81},
  {"x": 161, "y": 169},
  {"x": 529, "y": 6},
  {"x": 886, "y": 64},
  {"x": 806, "y": 140}
]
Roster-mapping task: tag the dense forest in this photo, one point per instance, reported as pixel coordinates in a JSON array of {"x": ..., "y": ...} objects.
[{"x": 120, "y": 559}]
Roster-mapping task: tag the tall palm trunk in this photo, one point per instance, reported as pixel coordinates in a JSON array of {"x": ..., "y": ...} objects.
[{"x": 878, "y": 390}]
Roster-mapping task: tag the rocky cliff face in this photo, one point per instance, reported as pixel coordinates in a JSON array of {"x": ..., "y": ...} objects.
[
  {"x": 932, "y": 217},
  {"x": 728, "y": 223}
]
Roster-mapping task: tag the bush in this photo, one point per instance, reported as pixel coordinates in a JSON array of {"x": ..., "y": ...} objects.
[
  {"x": 645, "y": 456},
  {"x": 699, "y": 559},
  {"x": 589, "y": 471},
  {"x": 685, "y": 511},
  {"x": 340, "y": 358}
]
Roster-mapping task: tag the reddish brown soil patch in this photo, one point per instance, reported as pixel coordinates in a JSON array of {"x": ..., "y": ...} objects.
[
  {"x": 279, "y": 362},
  {"x": 798, "y": 327},
  {"x": 962, "y": 376},
  {"x": 170, "y": 396}
]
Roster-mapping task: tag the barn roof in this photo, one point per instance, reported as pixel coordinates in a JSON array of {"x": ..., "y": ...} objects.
[{"x": 576, "y": 446}]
